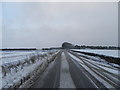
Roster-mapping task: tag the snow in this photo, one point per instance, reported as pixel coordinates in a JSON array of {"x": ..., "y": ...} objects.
[
  {"x": 12, "y": 56},
  {"x": 112, "y": 53},
  {"x": 16, "y": 77},
  {"x": 18, "y": 64},
  {"x": 100, "y": 70},
  {"x": 77, "y": 59},
  {"x": 98, "y": 59}
]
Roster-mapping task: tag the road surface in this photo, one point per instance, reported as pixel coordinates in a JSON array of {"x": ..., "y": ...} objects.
[{"x": 73, "y": 70}]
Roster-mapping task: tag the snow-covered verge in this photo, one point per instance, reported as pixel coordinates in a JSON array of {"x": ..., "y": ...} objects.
[
  {"x": 109, "y": 59},
  {"x": 103, "y": 72},
  {"x": 19, "y": 72}
]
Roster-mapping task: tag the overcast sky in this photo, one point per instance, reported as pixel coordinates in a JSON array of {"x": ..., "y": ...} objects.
[{"x": 50, "y": 24}]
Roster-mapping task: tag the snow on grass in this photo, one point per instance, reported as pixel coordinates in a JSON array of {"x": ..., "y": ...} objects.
[
  {"x": 15, "y": 53},
  {"x": 12, "y": 56},
  {"x": 97, "y": 59},
  {"x": 16, "y": 67},
  {"x": 112, "y": 53},
  {"x": 13, "y": 77}
]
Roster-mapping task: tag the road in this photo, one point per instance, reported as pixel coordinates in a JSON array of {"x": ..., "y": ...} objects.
[{"x": 73, "y": 70}]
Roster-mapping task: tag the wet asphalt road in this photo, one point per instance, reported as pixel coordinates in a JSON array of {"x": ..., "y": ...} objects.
[{"x": 64, "y": 72}]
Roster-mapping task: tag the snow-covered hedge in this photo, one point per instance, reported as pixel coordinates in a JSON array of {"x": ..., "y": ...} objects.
[{"x": 14, "y": 74}]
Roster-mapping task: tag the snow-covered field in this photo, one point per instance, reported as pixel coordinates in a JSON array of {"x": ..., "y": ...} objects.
[
  {"x": 17, "y": 65},
  {"x": 12, "y": 56},
  {"x": 112, "y": 53}
]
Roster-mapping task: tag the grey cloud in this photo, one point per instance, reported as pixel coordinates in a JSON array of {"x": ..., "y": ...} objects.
[{"x": 50, "y": 24}]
